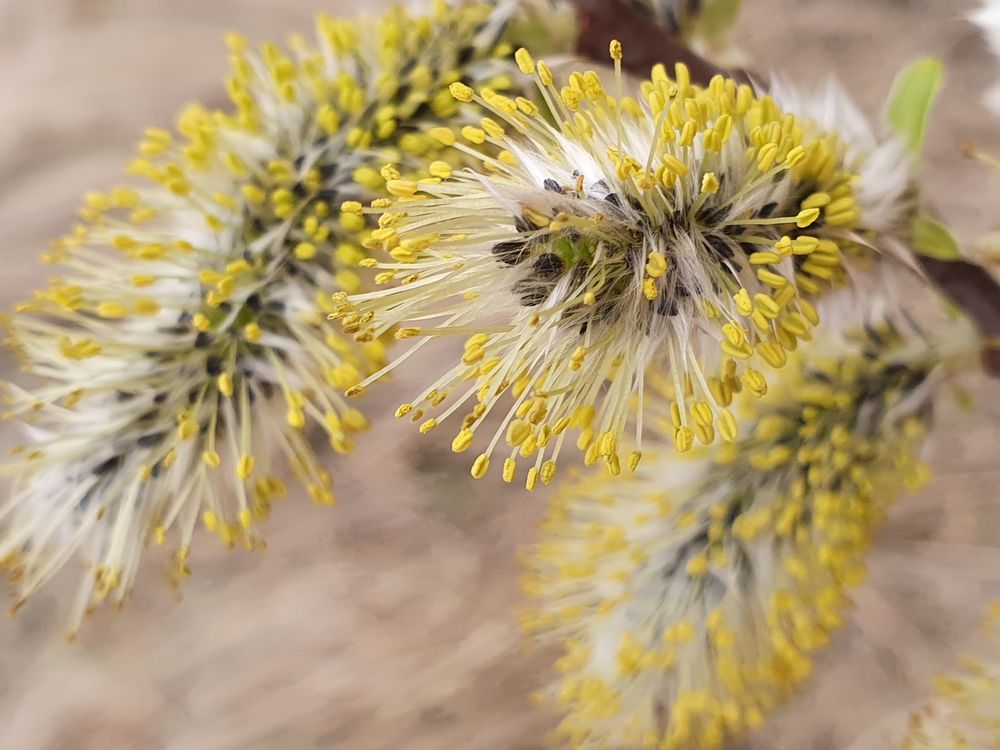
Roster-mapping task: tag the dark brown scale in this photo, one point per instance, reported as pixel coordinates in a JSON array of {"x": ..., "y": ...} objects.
[
  {"x": 148, "y": 441},
  {"x": 511, "y": 252},
  {"x": 160, "y": 398},
  {"x": 202, "y": 340},
  {"x": 465, "y": 54},
  {"x": 213, "y": 366},
  {"x": 666, "y": 306},
  {"x": 767, "y": 210},
  {"x": 522, "y": 224},
  {"x": 614, "y": 199},
  {"x": 105, "y": 467},
  {"x": 254, "y": 302},
  {"x": 552, "y": 185},
  {"x": 713, "y": 216},
  {"x": 720, "y": 247},
  {"x": 123, "y": 396},
  {"x": 547, "y": 267},
  {"x": 531, "y": 292}
]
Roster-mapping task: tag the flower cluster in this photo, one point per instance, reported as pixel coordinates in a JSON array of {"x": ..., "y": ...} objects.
[
  {"x": 602, "y": 236},
  {"x": 966, "y": 713},
  {"x": 186, "y": 337},
  {"x": 688, "y": 599}
]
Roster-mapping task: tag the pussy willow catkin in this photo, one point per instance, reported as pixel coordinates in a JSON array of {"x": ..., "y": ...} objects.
[
  {"x": 601, "y": 236},
  {"x": 185, "y": 341},
  {"x": 689, "y": 598},
  {"x": 966, "y": 712}
]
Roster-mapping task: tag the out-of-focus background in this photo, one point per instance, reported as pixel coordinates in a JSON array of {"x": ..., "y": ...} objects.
[{"x": 390, "y": 621}]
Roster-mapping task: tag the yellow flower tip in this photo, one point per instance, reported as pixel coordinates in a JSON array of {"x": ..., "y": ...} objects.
[
  {"x": 509, "y": 470},
  {"x": 728, "y": 428},
  {"x": 544, "y": 73},
  {"x": 428, "y": 425},
  {"x": 252, "y": 333},
  {"x": 462, "y": 441},
  {"x": 532, "y": 479},
  {"x": 440, "y": 169},
  {"x": 354, "y": 390},
  {"x": 408, "y": 332},
  {"x": 225, "y": 384},
  {"x": 480, "y": 466},
  {"x": 461, "y": 92},
  {"x": 352, "y": 207},
  {"x": 245, "y": 466},
  {"x": 634, "y": 457},
  {"x": 548, "y": 471},
  {"x": 444, "y": 136},
  {"x": 615, "y": 48},
  {"x": 795, "y": 157},
  {"x": 211, "y": 458},
  {"x": 525, "y": 62},
  {"x": 402, "y": 188},
  {"x": 683, "y": 439},
  {"x": 710, "y": 183},
  {"x": 656, "y": 264},
  {"x": 474, "y": 135},
  {"x": 806, "y": 217}
]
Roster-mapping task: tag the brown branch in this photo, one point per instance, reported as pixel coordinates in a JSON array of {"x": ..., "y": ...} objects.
[{"x": 969, "y": 286}]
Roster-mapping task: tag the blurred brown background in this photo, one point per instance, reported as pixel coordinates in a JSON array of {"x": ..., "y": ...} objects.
[{"x": 389, "y": 622}]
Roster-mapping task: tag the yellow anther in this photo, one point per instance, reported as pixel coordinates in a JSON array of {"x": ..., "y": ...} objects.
[
  {"x": 402, "y": 188},
  {"x": 111, "y": 310},
  {"x": 656, "y": 264},
  {"x": 525, "y": 61},
  {"x": 683, "y": 439},
  {"x": 806, "y": 217},
  {"x": 462, "y": 441},
  {"x": 744, "y": 305},
  {"x": 461, "y": 92},
  {"x": 225, "y": 384},
  {"x": 754, "y": 382},
  {"x": 305, "y": 251},
  {"x": 615, "y": 48},
  {"x": 727, "y": 426},
  {"x": 245, "y": 466},
  {"x": 480, "y": 466},
  {"x": 440, "y": 169},
  {"x": 474, "y": 135}
]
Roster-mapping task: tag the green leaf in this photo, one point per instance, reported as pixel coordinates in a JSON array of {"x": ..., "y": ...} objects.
[
  {"x": 913, "y": 96},
  {"x": 934, "y": 239},
  {"x": 717, "y": 17}
]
